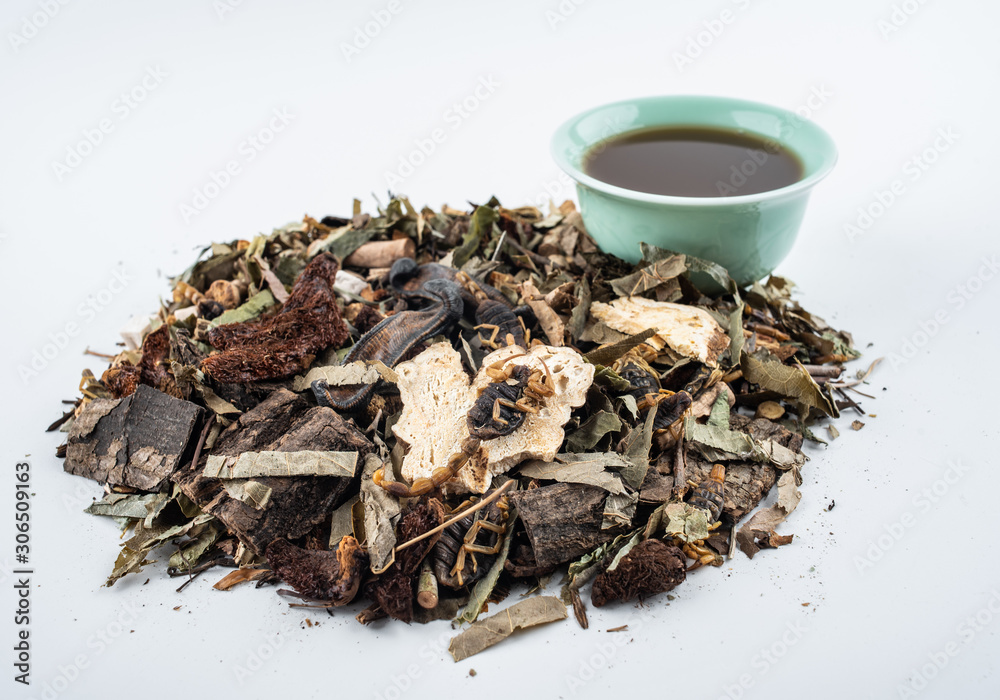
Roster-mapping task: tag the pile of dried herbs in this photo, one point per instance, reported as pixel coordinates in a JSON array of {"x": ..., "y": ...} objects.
[{"x": 243, "y": 423}]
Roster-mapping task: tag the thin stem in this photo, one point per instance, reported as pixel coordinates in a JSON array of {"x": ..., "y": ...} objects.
[{"x": 465, "y": 513}]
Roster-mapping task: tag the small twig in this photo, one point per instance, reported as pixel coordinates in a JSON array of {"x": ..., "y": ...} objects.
[
  {"x": 733, "y": 376},
  {"x": 850, "y": 402},
  {"x": 823, "y": 370},
  {"x": 764, "y": 329},
  {"x": 496, "y": 253},
  {"x": 867, "y": 396},
  {"x": 59, "y": 422},
  {"x": 680, "y": 466},
  {"x": 464, "y": 514},
  {"x": 533, "y": 256},
  {"x": 862, "y": 379},
  {"x": 88, "y": 351},
  {"x": 201, "y": 442}
]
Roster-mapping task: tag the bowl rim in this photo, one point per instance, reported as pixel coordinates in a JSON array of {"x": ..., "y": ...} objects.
[{"x": 561, "y": 139}]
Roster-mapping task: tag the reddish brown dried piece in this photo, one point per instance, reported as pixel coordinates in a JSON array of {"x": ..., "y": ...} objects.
[
  {"x": 333, "y": 575},
  {"x": 651, "y": 567},
  {"x": 393, "y": 591},
  {"x": 284, "y": 344},
  {"x": 154, "y": 367},
  {"x": 364, "y": 317},
  {"x": 122, "y": 380}
]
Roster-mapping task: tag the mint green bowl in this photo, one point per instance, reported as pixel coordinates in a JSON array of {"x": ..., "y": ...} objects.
[{"x": 747, "y": 234}]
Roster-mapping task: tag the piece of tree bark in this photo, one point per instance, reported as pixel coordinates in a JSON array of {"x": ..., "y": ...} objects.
[
  {"x": 763, "y": 429},
  {"x": 563, "y": 521},
  {"x": 137, "y": 441},
  {"x": 284, "y": 423},
  {"x": 746, "y": 483}
]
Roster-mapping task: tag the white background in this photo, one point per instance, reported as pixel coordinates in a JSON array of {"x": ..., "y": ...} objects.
[{"x": 866, "y": 632}]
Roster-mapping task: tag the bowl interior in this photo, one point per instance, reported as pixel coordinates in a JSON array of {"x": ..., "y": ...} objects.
[{"x": 576, "y": 137}]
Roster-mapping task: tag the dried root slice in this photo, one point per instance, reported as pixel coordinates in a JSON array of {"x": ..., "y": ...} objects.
[
  {"x": 651, "y": 567},
  {"x": 437, "y": 396},
  {"x": 687, "y": 330}
]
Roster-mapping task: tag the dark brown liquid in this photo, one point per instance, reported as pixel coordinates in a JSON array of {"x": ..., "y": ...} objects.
[{"x": 692, "y": 161}]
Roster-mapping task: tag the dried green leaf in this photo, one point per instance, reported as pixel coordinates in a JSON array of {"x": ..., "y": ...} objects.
[
  {"x": 381, "y": 515},
  {"x": 342, "y": 241},
  {"x": 716, "y": 433},
  {"x": 589, "y": 468},
  {"x": 586, "y": 567},
  {"x": 251, "y": 308},
  {"x": 606, "y": 377},
  {"x": 637, "y": 446},
  {"x": 633, "y": 540},
  {"x": 216, "y": 403},
  {"x": 189, "y": 556},
  {"x": 253, "y": 493},
  {"x": 717, "y": 442},
  {"x": 651, "y": 276},
  {"x": 592, "y": 430},
  {"x": 133, "y": 555},
  {"x": 494, "y": 629},
  {"x": 480, "y": 226},
  {"x": 609, "y": 353},
  {"x": 619, "y": 510},
  {"x": 700, "y": 268},
  {"x": 791, "y": 382},
  {"x": 273, "y": 463},
  {"x": 342, "y": 521},
  {"x": 121, "y": 505},
  {"x": 578, "y": 317},
  {"x": 686, "y": 522},
  {"x": 840, "y": 345}
]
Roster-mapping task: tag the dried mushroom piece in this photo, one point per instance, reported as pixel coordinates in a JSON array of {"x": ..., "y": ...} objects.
[{"x": 437, "y": 395}]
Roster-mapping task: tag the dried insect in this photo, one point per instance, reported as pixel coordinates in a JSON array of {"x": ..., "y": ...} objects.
[
  {"x": 709, "y": 495},
  {"x": 407, "y": 276},
  {"x": 503, "y": 404},
  {"x": 467, "y": 451},
  {"x": 670, "y": 409},
  {"x": 644, "y": 382},
  {"x": 515, "y": 391},
  {"x": 647, "y": 392},
  {"x": 501, "y": 321},
  {"x": 455, "y": 561}
]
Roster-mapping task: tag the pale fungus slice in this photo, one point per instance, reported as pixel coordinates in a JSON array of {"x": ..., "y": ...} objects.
[
  {"x": 437, "y": 395},
  {"x": 687, "y": 330}
]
